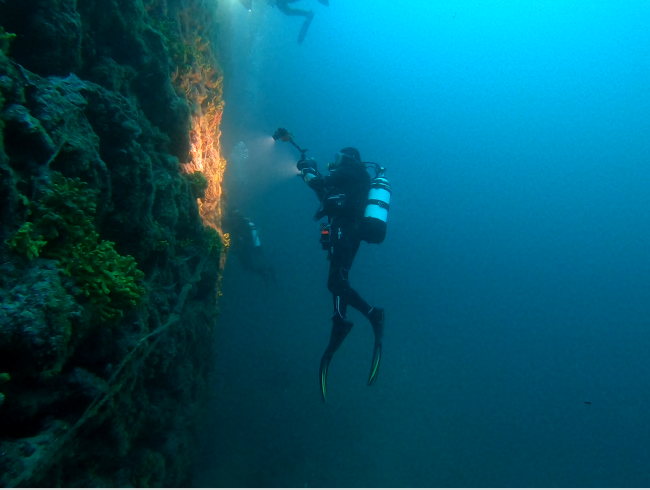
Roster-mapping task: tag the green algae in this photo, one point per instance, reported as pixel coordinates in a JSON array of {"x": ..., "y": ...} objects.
[
  {"x": 198, "y": 183},
  {"x": 27, "y": 241},
  {"x": 6, "y": 39},
  {"x": 108, "y": 279},
  {"x": 213, "y": 242},
  {"x": 62, "y": 227}
]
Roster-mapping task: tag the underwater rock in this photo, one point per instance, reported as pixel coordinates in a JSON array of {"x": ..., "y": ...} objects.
[
  {"x": 48, "y": 34},
  {"x": 4, "y": 377},
  {"x": 26, "y": 142},
  {"x": 35, "y": 327},
  {"x": 93, "y": 135}
]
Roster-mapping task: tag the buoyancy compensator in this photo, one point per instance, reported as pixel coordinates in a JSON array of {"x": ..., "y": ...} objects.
[{"x": 373, "y": 224}]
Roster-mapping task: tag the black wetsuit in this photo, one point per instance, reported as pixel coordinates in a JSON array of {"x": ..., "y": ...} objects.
[
  {"x": 344, "y": 196},
  {"x": 352, "y": 182},
  {"x": 283, "y": 6}
]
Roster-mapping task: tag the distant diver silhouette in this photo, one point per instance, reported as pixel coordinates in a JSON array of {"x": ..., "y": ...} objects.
[
  {"x": 283, "y": 6},
  {"x": 245, "y": 244}
]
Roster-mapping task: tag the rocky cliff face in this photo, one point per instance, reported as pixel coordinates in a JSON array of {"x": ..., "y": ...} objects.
[{"x": 109, "y": 266}]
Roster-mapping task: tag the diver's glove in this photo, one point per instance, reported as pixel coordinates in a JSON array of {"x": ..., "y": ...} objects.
[
  {"x": 307, "y": 163},
  {"x": 308, "y": 169}
]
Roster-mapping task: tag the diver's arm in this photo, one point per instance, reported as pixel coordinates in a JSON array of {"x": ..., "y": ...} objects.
[
  {"x": 312, "y": 177},
  {"x": 319, "y": 186}
]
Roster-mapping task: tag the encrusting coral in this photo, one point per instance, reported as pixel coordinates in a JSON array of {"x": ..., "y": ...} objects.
[{"x": 61, "y": 227}]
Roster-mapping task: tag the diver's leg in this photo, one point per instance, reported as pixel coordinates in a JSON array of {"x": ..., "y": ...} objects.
[
  {"x": 307, "y": 14},
  {"x": 344, "y": 248},
  {"x": 344, "y": 295},
  {"x": 341, "y": 327},
  {"x": 345, "y": 244},
  {"x": 286, "y": 10},
  {"x": 340, "y": 256},
  {"x": 305, "y": 27},
  {"x": 337, "y": 283}
]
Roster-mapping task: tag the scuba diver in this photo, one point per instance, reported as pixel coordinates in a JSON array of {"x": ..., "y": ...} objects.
[
  {"x": 357, "y": 209},
  {"x": 245, "y": 243},
  {"x": 283, "y": 6},
  {"x": 346, "y": 198}
]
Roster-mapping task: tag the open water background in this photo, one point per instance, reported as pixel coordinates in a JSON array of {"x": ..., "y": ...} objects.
[{"x": 516, "y": 270}]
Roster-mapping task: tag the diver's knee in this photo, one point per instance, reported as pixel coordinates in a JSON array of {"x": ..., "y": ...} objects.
[
  {"x": 338, "y": 283},
  {"x": 337, "y": 288}
]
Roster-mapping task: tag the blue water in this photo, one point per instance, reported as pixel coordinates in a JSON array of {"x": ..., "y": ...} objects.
[{"x": 516, "y": 270}]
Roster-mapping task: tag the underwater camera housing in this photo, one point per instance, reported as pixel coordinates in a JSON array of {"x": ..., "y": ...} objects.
[{"x": 283, "y": 135}]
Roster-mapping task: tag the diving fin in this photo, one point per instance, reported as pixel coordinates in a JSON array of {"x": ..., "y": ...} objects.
[
  {"x": 324, "y": 366},
  {"x": 340, "y": 330},
  {"x": 305, "y": 27},
  {"x": 378, "y": 327}
]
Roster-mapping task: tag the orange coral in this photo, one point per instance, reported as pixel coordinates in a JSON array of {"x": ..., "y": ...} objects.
[
  {"x": 206, "y": 157},
  {"x": 197, "y": 77}
]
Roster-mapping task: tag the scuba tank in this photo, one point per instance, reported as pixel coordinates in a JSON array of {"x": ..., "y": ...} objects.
[
  {"x": 373, "y": 226},
  {"x": 255, "y": 237}
]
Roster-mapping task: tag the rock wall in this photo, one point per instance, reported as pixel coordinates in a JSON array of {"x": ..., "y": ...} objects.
[{"x": 109, "y": 268}]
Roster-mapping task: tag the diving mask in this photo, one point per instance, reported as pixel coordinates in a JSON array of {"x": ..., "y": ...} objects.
[{"x": 340, "y": 160}]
